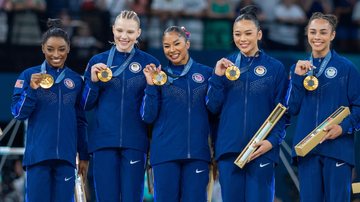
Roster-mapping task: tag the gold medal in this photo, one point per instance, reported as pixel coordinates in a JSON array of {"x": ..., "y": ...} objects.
[
  {"x": 46, "y": 81},
  {"x": 311, "y": 83},
  {"x": 105, "y": 75},
  {"x": 232, "y": 73},
  {"x": 159, "y": 78}
]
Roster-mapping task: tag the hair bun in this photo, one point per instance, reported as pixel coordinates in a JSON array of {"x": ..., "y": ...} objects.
[
  {"x": 250, "y": 9},
  {"x": 187, "y": 33},
  {"x": 54, "y": 23}
]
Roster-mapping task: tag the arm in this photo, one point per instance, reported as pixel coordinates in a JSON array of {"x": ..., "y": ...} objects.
[
  {"x": 91, "y": 89},
  {"x": 82, "y": 139},
  {"x": 353, "y": 120},
  {"x": 296, "y": 90},
  {"x": 150, "y": 105},
  {"x": 24, "y": 96},
  {"x": 277, "y": 134},
  {"x": 215, "y": 94}
]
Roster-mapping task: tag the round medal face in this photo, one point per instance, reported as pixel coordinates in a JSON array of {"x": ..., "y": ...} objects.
[
  {"x": 105, "y": 75},
  {"x": 159, "y": 78},
  {"x": 47, "y": 81},
  {"x": 311, "y": 83},
  {"x": 232, "y": 73}
]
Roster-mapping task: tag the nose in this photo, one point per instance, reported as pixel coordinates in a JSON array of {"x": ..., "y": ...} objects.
[{"x": 56, "y": 53}]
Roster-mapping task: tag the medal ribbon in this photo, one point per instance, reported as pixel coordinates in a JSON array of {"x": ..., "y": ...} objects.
[
  {"x": 238, "y": 62},
  {"x": 322, "y": 66},
  {"x": 172, "y": 77},
  {"x": 123, "y": 65},
  {"x": 59, "y": 78}
]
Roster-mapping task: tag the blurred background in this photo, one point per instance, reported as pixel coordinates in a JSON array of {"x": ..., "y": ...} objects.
[{"x": 88, "y": 23}]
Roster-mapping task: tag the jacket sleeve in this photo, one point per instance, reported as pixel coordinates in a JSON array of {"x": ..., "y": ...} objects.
[
  {"x": 353, "y": 120},
  {"x": 215, "y": 94},
  {"x": 277, "y": 134},
  {"x": 81, "y": 131},
  {"x": 150, "y": 104},
  {"x": 295, "y": 93},
  {"x": 24, "y": 98},
  {"x": 90, "y": 91}
]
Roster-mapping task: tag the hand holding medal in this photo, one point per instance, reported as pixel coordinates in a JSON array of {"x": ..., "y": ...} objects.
[
  {"x": 100, "y": 72},
  {"x": 305, "y": 67},
  {"x": 154, "y": 75}
]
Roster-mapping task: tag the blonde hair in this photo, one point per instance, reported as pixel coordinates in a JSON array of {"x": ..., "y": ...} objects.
[{"x": 126, "y": 14}]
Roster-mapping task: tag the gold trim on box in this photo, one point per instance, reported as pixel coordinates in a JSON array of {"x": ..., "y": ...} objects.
[
  {"x": 260, "y": 135},
  {"x": 356, "y": 188},
  {"x": 314, "y": 138}
]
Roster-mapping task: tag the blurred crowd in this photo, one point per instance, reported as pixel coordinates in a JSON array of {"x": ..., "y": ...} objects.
[{"x": 88, "y": 22}]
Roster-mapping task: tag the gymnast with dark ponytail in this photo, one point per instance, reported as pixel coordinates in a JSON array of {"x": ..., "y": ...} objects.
[{"x": 244, "y": 89}]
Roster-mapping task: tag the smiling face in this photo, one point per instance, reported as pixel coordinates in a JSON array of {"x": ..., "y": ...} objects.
[
  {"x": 126, "y": 32},
  {"x": 176, "y": 48},
  {"x": 55, "y": 50},
  {"x": 246, "y": 36},
  {"x": 320, "y": 34}
]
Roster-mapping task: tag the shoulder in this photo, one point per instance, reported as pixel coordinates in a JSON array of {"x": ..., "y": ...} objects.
[
  {"x": 146, "y": 56},
  {"x": 341, "y": 60},
  {"x": 271, "y": 61},
  {"x": 72, "y": 74},
  {"x": 31, "y": 70},
  {"x": 99, "y": 57}
]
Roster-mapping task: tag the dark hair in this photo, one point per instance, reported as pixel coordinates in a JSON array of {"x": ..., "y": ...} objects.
[
  {"x": 125, "y": 14},
  {"x": 55, "y": 30},
  {"x": 180, "y": 30},
  {"x": 249, "y": 13},
  {"x": 332, "y": 19}
]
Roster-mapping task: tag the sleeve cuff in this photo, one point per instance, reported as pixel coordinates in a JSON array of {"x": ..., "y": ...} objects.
[
  {"x": 217, "y": 80},
  {"x": 84, "y": 156},
  {"x": 273, "y": 140},
  {"x": 151, "y": 90},
  {"x": 93, "y": 85},
  {"x": 297, "y": 80},
  {"x": 345, "y": 126}
]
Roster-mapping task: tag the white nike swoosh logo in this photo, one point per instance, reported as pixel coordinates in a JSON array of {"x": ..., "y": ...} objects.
[
  {"x": 68, "y": 178},
  {"x": 339, "y": 164},
  {"x": 263, "y": 165},
  {"x": 113, "y": 66},
  {"x": 133, "y": 162},
  {"x": 199, "y": 171}
]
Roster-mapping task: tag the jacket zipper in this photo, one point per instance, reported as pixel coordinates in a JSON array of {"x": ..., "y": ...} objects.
[
  {"x": 59, "y": 121},
  {"x": 122, "y": 107},
  {"x": 189, "y": 117}
]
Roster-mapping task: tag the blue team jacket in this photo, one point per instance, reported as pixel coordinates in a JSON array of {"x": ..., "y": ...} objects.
[
  {"x": 116, "y": 103},
  {"x": 56, "y": 122},
  {"x": 245, "y": 104},
  {"x": 339, "y": 85},
  {"x": 178, "y": 111}
]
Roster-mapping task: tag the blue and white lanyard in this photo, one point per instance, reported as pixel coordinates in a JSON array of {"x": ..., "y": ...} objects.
[
  {"x": 322, "y": 66},
  {"x": 172, "y": 77},
  {"x": 123, "y": 65},
  {"x": 59, "y": 78}
]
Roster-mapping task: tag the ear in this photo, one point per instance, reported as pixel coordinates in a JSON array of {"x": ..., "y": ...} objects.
[
  {"x": 259, "y": 35},
  {"x": 139, "y": 33},
  {"x": 43, "y": 48},
  {"x": 333, "y": 34},
  {"x": 187, "y": 44}
]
